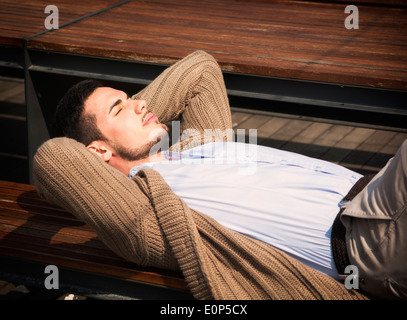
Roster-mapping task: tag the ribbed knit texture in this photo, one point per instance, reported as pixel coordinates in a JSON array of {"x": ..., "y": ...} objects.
[
  {"x": 193, "y": 91},
  {"x": 144, "y": 222}
]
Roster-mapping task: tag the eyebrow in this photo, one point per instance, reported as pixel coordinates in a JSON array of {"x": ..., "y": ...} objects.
[
  {"x": 115, "y": 104},
  {"x": 118, "y": 101}
]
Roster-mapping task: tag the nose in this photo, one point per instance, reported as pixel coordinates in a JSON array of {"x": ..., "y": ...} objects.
[{"x": 140, "y": 106}]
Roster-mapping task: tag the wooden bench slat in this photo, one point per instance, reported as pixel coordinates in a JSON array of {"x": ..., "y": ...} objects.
[
  {"x": 57, "y": 237},
  {"x": 285, "y": 49},
  {"x": 65, "y": 246},
  {"x": 38, "y": 207},
  {"x": 42, "y": 214},
  {"x": 300, "y": 40},
  {"x": 33, "y": 203},
  {"x": 20, "y": 19},
  {"x": 49, "y": 235},
  {"x": 45, "y": 223},
  {"x": 156, "y": 278},
  {"x": 10, "y": 185}
]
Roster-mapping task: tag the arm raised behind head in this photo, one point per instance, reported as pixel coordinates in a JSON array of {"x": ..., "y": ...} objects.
[{"x": 72, "y": 177}]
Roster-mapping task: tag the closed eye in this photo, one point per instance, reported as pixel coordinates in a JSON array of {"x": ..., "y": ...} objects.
[
  {"x": 120, "y": 107},
  {"x": 118, "y": 104}
]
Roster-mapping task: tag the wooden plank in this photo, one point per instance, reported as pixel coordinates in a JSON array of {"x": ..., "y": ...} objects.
[
  {"x": 151, "y": 275},
  {"x": 339, "y": 141},
  {"x": 46, "y": 223},
  {"x": 385, "y": 150},
  {"x": 34, "y": 240},
  {"x": 364, "y": 151},
  {"x": 288, "y": 39},
  {"x": 12, "y": 98},
  {"x": 376, "y": 141},
  {"x": 331, "y": 138},
  {"x": 57, "y": 237},
  {"x": 11, "y": 92},
  {"x": 267, "y": 130},
  {"x": 20, "y": 19},
  {"x": 394, "y": 144},
  {"x": 369, "y": 2},
  {"x": 253, "y": 122},
  {"x": 309, "y": 136},
  {"x": 238, "y": 118},
  {"x": 287, "y": 132}
]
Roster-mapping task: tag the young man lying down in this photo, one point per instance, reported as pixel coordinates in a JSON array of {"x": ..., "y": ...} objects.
[{"x": 239, "y": 220}]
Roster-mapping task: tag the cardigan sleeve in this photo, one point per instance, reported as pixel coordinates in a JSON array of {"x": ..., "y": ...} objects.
[
  {"x": 72, "y": 177},
  {"x": 192, "y": 90}
]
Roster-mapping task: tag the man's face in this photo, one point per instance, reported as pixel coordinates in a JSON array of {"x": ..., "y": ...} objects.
[{"x": 130, "y": 128}]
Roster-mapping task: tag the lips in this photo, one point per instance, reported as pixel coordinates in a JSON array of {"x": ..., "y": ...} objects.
[{"x": 149, "y": 118}]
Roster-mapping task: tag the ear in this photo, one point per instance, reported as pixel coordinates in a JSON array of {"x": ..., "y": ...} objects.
[{"x": 101, "y": 149}]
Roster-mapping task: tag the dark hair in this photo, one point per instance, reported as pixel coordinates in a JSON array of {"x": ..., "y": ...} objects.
[{"x": 70, "y": 120}]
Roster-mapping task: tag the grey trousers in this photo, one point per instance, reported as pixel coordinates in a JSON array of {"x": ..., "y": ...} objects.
[{"x": 376, "y": 231}]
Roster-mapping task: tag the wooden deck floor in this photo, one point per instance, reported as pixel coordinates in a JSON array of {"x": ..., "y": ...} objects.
[
  {"x": 365, "y": 150},
  {"x": 362, "y": 149}
]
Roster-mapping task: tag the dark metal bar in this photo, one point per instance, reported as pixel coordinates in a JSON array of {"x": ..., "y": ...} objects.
[{"x": 317, "y": 93}]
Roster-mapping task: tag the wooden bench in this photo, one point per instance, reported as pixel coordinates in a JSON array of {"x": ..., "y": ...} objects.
[
  {"x": 34, "y": 234},
  {"x": 304, "y": 40}
]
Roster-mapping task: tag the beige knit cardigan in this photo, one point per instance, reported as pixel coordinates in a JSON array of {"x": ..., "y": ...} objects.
[{"x": 143, "y": 221}]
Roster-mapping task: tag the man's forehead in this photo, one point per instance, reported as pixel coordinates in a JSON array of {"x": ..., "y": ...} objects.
[{"x": 101, "y": 97}]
